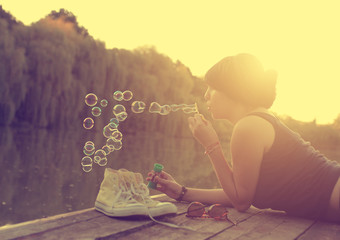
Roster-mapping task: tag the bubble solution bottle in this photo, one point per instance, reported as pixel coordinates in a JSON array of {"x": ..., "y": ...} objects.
[{"x": 157, "y": 168}]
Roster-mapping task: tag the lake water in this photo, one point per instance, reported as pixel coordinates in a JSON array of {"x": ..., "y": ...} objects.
[{"x": 41, "y": 175}]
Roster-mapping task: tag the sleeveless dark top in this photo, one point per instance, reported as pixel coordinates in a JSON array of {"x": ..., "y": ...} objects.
[{"x": 294, "y": 177}]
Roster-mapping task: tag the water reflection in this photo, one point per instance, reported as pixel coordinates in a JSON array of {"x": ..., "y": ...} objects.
[{"x": 41, "y": 175}]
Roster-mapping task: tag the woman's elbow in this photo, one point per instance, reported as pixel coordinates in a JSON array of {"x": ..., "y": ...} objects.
[
  {"x": 242, "y": 207},
  {"x": 241, "y": 202}
]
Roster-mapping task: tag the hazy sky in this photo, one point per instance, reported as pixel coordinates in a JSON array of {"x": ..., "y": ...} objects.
[{"x": 300, "y": 39}]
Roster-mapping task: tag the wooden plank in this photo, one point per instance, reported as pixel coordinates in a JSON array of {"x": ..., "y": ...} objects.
[
  {"x": 94, "y": 228},
  {"x": 106, "y": 227},
  {"x": 201, "y": 228},
  {"x": 39, "y": 225},
  {"x": 322, "y": 230},
  {"x": 267, "y": 225},
  {"x": 86, "y": 227},
  {"x": 54, "y": 222},
  {"x": 253, "y": 224},
  {"x": 102, "y": 227}
]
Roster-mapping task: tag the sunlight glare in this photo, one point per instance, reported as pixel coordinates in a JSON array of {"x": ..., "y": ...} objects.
[{"x": 297, "y": 38}]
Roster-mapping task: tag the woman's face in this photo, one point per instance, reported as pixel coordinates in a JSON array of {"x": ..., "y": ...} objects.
[{"x": 218, "y": 103}]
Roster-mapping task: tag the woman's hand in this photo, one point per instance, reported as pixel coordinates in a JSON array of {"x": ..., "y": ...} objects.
[
  {"x": 166, "y": 184},
  {"x": 202, "y": 130}
]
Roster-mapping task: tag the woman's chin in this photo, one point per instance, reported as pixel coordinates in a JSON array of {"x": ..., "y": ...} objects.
[
  {"x": 218, "y": 117},
  {"x": 215, "y": 116}
]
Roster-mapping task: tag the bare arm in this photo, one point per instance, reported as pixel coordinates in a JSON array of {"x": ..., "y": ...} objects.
[
  {"x": 207, "y": 196},
  {"x": 168, "y": 185},
  {"x": 249, "y": 139}
]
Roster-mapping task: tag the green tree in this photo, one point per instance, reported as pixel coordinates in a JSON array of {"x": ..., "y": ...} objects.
[{"x": 12, "y": 79}]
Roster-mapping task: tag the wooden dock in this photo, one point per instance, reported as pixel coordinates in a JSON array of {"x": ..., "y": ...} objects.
[{"x": 253, "y": 224}]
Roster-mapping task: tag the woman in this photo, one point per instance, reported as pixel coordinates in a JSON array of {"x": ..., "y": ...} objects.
[{"x": 272, "y": 166}]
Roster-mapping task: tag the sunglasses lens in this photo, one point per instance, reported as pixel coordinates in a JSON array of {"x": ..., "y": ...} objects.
[
  {"x": 216, "y": 211},
  {"x": 195, "y": 209}
]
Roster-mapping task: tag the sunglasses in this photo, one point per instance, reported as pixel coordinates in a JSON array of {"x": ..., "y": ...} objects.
[{"x": 216, "y": 211}]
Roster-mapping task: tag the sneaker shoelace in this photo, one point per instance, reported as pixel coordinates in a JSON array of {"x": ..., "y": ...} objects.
[
  {"x": 124, "y": 195},
  {"x": 140, "y": 190}
]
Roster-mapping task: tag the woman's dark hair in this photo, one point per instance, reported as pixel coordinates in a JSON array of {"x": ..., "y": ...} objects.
[{"x": 242, "y": 78}]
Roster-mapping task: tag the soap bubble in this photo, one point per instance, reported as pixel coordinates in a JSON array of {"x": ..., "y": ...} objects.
[
  {"x": 117, "y": 145},
  {"x": 191, "y": 105},
  {"x": 191, "y": 108},
  {"x": 110, "y": 147},
  {"x": 102, "y": 162},
  {"x": 88, "y": 123},
  {"x": 175, "y": 107},
  {"x": 154, "y": 107},
  {"x": 91, "y": 99},
  {"x": 109, "y": 143},
  {"x": 114, "y": 120},
  {"x": 118, "y": 96},
  {"x": 89, "y": 143},
  {"x": 88, "y": 149},
  {"x": 103, "y": 103},
  {"x": 165, "y": 110},
  {"x": 127, "y": 95},
  {"x": 109, "y": 129},
  {"x": 96, "y": 111},
  {"x": 106, "y": 149},
  {"x": 121, "y": 116},
  {"x": 87, "y": 168},
  {"x": 113, "y": 125},
  {"x": 98, "y": 155},
  {"x": 117, "y": 109},
  {"x": 137, "y": 107},
  {"x": 117, "y": 135},
  {"x": 112, "y": 143},
  {"x": 86, "y": 163}
]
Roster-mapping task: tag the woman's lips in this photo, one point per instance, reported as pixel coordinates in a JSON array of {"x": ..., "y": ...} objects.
[{"x": 208, "y": 106}]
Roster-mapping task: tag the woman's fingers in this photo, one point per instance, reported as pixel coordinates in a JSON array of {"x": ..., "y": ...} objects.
[
  {"x": 200, "y": 119},
  {"x": 191, "y": 121},
  {"x": 162, "y": 174},
  {"x": 204, "y": 120},
  {"x": 196, "y": 120},
  {"x": 166, "y": 175},
  {"x": 160, "y": 188},
  {"x": 161, "y": 180},
  {"x": 162, "y": 184}
]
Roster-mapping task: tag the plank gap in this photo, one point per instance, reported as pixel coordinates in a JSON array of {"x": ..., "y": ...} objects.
[{"x": 304, "y": 232}]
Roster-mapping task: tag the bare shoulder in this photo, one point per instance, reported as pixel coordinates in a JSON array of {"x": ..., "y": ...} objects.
[
  {"x": 255, "y": 128},
  {"x": 253, "y": 124}
]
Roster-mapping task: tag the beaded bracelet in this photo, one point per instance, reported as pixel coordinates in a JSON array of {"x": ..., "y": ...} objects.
[
  {"x": 181, "y": 195},
  {"x": 211, "y": 148}
]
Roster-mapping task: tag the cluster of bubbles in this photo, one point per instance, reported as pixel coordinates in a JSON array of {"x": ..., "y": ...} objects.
[
  {"x": 166, "y": 109},
  {"x": 119, "y": 111},
  {"x": 98, "y": 157},
  {"x": 110, "y": 131}
]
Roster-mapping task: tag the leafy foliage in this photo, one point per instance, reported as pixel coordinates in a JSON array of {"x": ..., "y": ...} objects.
[
  {"x": 8, "y": 17},
  {"x": 46, "y": 70}
]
